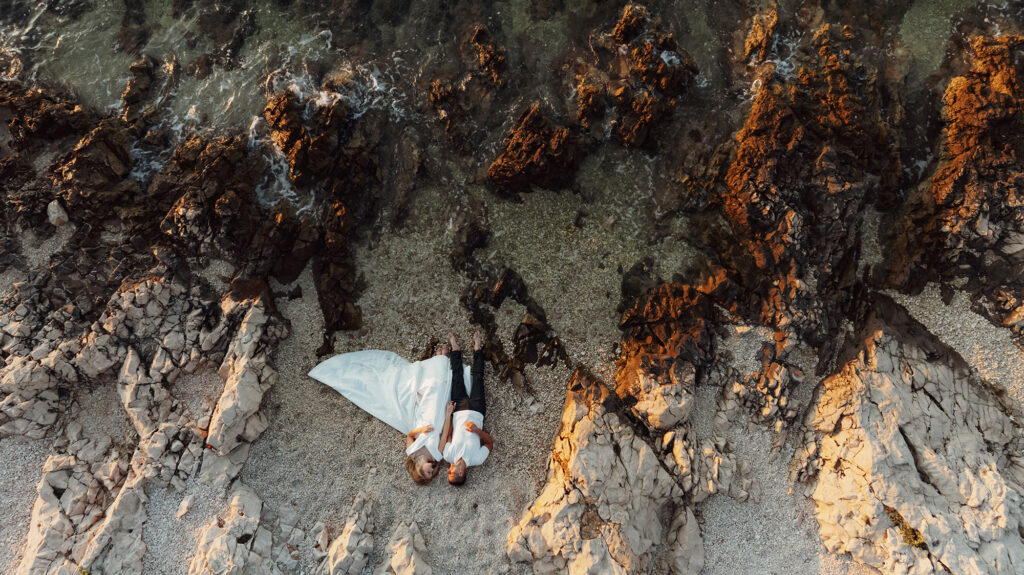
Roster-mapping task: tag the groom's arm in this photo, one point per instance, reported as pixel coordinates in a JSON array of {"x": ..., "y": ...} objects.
[{"x": 485, "y": 438}]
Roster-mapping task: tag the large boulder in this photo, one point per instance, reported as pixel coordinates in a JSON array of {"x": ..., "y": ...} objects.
[
  {"x": 918, "y": 465},
  {"x": 609, "y": 505}
]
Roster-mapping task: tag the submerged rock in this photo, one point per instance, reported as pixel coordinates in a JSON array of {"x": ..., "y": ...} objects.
[
  {"x": 640, "y": 71},
  {"x": 537, "y": 152}
]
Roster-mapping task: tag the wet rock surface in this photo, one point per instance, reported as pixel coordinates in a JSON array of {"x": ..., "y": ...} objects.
[
  {"x": 640, "y": 74},
  {"x": 964, "y": 220},
  {"x": 538, "y": 152}
]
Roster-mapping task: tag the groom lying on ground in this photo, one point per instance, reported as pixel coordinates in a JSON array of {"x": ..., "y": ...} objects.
[{"x": 465, "y": 443}]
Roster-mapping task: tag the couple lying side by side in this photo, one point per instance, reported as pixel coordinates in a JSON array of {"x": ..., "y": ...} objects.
[
  {"x": 437, "y": 403},
  {"x": 463, "y": 442}
]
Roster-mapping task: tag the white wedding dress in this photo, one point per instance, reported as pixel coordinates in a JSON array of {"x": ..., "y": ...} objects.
[{"x": 402, "y": 394}]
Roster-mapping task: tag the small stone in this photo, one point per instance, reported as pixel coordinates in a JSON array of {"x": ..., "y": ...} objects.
[
  {"x": 56, "y": 213},
  {"x": 183, "y": 508}
]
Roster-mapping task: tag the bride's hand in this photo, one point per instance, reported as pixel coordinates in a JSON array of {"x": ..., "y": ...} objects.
[
  {"x": 450, "y": 408},
  {"x": 470, "y": 426}
]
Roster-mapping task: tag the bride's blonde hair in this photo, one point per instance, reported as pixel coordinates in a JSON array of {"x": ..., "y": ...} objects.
[{"x": 414, "y": 471}]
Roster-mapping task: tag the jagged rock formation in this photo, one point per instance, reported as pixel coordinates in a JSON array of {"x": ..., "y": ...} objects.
[
  {"x": 236, "y": 542},
  {"x": 463, "y": 99},
  {"x": 327, "y": 149},
  {"x": 918, "y": 466},
  {"x": 37, "y": 115},
  {"x": 811, "y": 153},
  {"x": 352, "y": 549},
  {"x": 639, "y": 74},
  {"x": 166, "y": 324},
  {"x": 405, "y": 549},
  {"x": 538, "y": 152},
  {"x": 966, "y": 219},
  {"x": 84, "y": 501},
  {"x": 609, "y": 505},
  {"x": 667, "y": 339}
]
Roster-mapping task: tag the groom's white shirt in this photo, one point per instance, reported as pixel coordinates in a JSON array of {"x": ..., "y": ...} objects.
[{"x": 465, "y": 445}]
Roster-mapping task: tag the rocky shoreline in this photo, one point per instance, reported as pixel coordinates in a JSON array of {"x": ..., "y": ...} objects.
[{"x": 680, "y": 251}]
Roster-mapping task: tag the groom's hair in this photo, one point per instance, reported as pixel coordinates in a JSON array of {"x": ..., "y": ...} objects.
[{"x": 414, "y": 471}]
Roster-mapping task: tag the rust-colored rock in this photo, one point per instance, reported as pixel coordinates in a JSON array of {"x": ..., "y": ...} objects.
[
  {"x": 537, "y": 152},
  {"x": 811, "y": 153},
  {"x": 761, "y": 34},
  {"x": 328, "y": 149},
  {"x": 137, "y": 89},
  {"x": 671, "y": 325},
  {"x": 463, "y": 98},
  {"x": 37, "y": 115},
  {"x": 632, "y": 24},
  {"x": 490, "y": 56},
  {"x": 967, "y": 219},
  {"x": 640, "y": 70}
]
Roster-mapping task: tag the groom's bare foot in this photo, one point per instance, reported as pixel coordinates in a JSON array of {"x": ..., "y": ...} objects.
[
  {"x": 478, "y": 340},
  {"x": 451, "y": 340}
]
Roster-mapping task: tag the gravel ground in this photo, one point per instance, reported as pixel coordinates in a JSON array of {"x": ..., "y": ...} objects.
[
  {"x": 775, "y": 533},
  {"x": 987, "y": 348},
  {"x": 20, "y": 473},
  {"x": 321, "y": 450},
  {"x": 38, "y": 250},
  {"x": 171, "y": 542}
]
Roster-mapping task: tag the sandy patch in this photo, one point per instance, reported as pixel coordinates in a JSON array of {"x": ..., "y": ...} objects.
[
  {"x": 171, "y": 542},
  {"x": 39, "y": 250}
]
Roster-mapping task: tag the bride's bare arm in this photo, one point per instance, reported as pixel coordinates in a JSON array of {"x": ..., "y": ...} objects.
[{"x": 411, "y": 436}]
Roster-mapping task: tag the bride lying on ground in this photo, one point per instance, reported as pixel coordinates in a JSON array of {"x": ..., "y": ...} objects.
[{"x": 411, "y": 397}]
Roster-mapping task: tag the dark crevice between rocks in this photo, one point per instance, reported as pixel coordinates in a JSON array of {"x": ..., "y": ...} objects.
[{"x": 917, "y": 463}]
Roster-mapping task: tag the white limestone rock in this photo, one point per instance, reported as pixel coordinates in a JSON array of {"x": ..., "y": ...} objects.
[
  {"x": 86, "y": 514},
  {"x": 405, "y": 552},
  {"x": 915, "y": 458},
  {"x": 236, "y": 542},
  {"x": 602, "y": 510},
  {"x": 350, "y": 552},
  {"x": 56, "y": 213}
]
